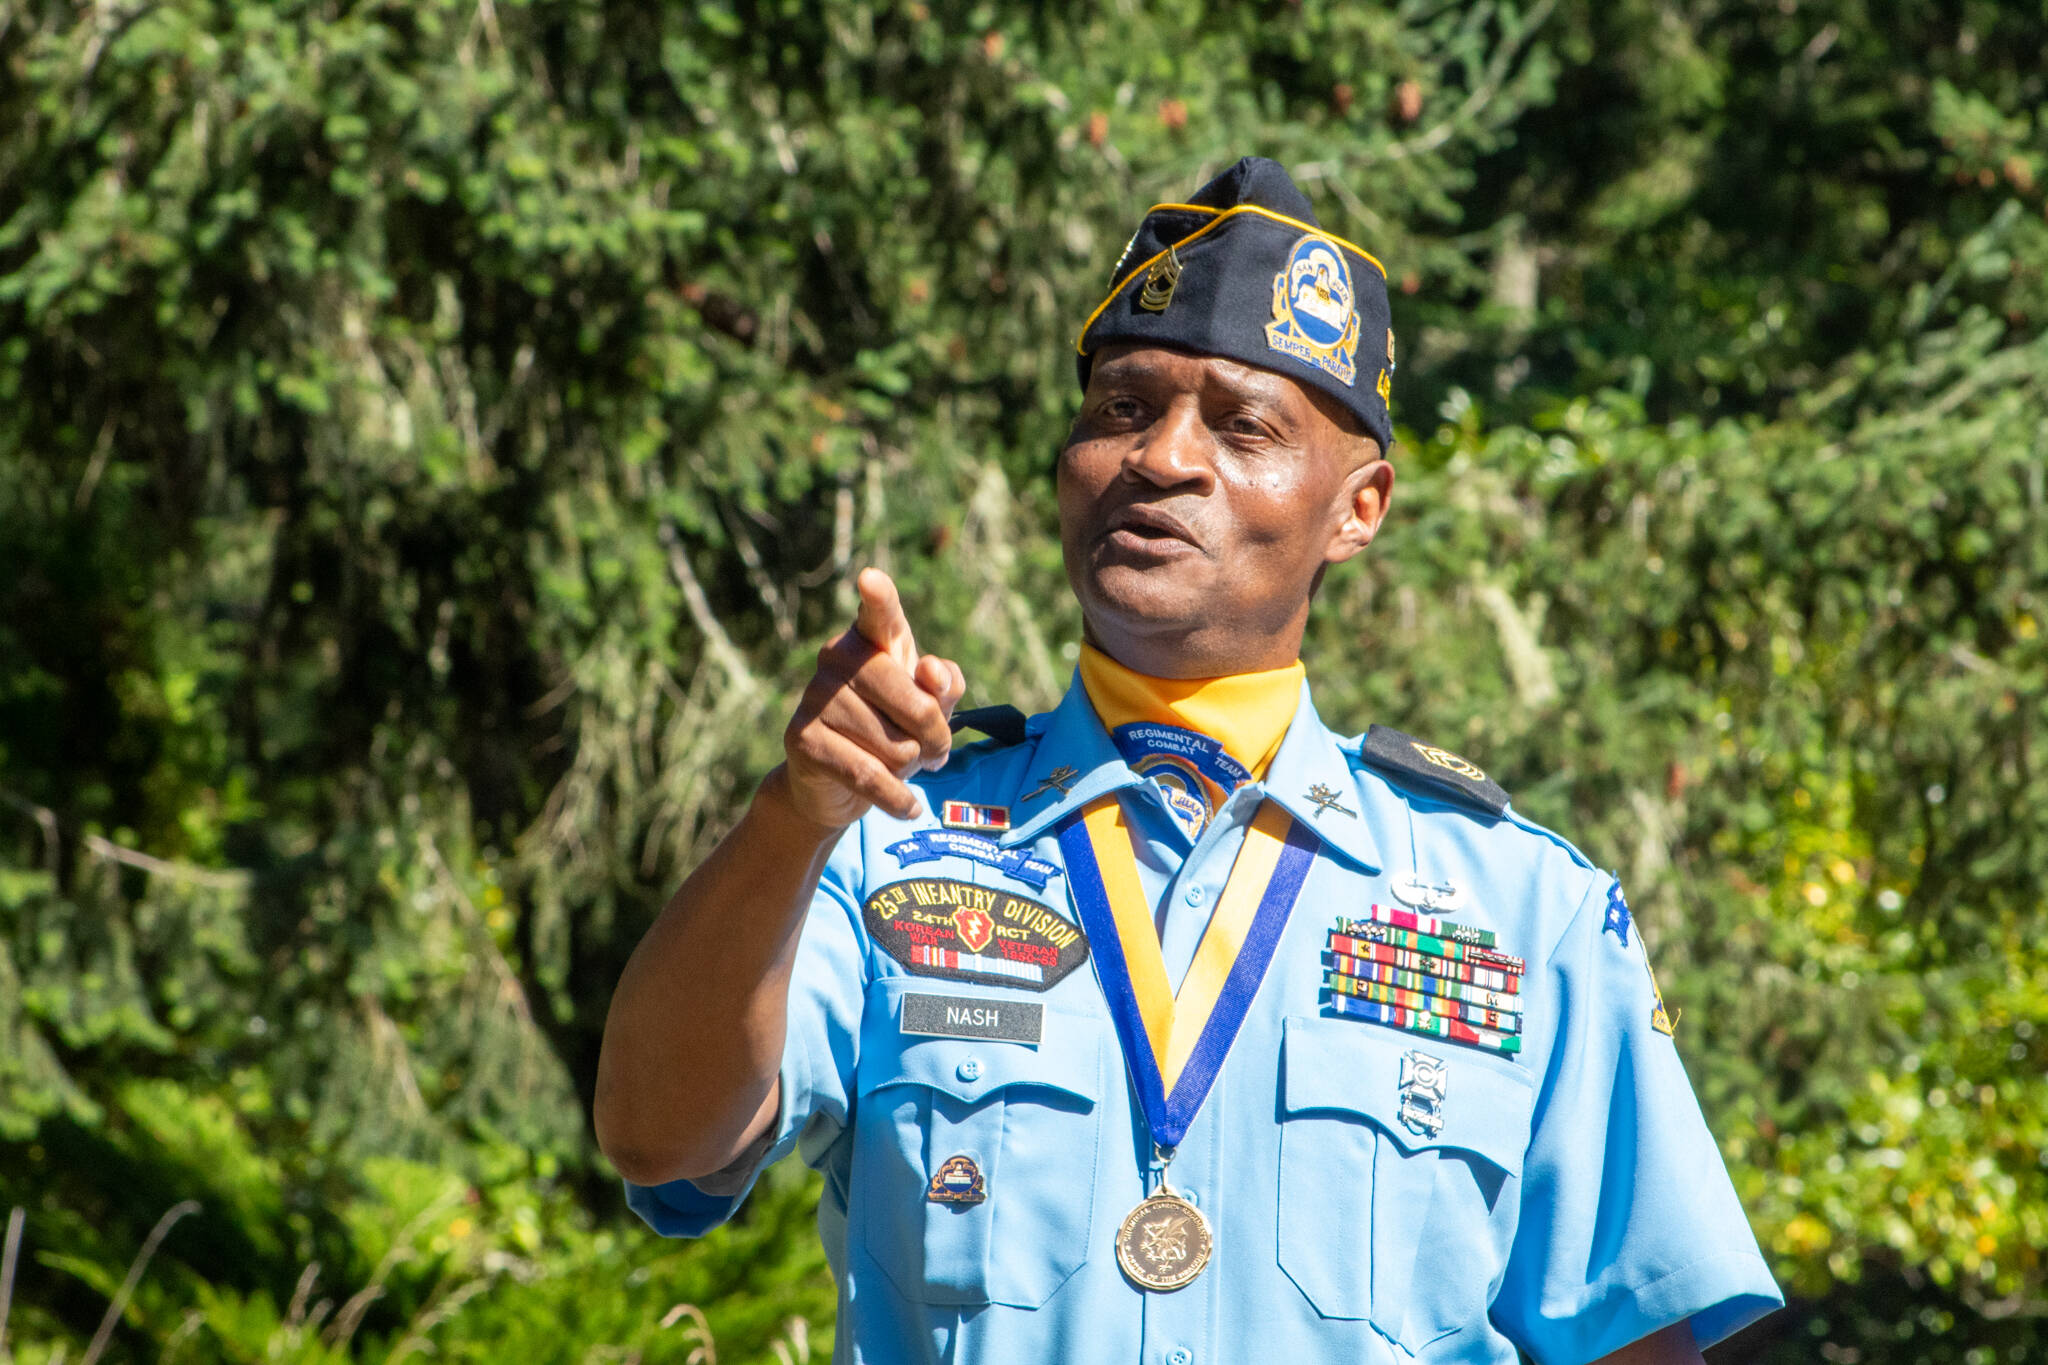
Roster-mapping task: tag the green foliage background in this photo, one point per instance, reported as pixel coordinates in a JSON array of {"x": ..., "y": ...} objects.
[{"x": 434, "y": 435}]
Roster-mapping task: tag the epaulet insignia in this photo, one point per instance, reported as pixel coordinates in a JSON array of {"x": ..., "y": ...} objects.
[
  {"x": 1003, "y": 724},
  {"x": 1442, "y": 771}
]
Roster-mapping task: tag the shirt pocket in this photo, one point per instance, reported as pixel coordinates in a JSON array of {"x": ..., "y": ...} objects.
[
  {"x": 1027, "y": 1117},
  {"x": 1380, "y": 1221}
]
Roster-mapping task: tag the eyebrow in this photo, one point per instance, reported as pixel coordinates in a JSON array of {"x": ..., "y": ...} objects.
[{"x": 1253, "y": 387}]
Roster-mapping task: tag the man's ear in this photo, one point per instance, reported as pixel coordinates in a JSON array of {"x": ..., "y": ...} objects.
[{"x": 1368, "y": 490}]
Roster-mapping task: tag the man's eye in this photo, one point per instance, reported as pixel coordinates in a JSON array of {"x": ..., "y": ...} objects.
[{"x": 1121, "y": 409}]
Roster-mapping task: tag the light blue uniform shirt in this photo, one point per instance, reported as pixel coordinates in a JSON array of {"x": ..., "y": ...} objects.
[{"x": 1571, "y": 1201}]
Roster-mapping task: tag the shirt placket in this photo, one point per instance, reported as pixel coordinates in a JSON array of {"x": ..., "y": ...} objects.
[
  {"x": 1179, "y": 1327},
  {"x": 1193, "y": 891}
]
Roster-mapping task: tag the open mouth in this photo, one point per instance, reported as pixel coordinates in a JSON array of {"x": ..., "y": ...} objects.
[{"x": 1147, "y": 530}]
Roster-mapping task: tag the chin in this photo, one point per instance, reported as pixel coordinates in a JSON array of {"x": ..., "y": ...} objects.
[{"x": 1145, "y": 601}]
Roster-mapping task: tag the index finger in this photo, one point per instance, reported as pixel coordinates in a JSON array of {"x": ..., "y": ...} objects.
[{"x": 881, "y": 621}]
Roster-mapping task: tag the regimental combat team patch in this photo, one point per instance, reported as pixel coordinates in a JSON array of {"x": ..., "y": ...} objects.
[
  {"x": 936, "y": 926},
  {"x": 1425, "y": 975},
  {"x": 928, "y": 845}
]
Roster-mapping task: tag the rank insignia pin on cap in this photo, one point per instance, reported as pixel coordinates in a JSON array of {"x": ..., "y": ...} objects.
[{"x": 1244, "y": 270}]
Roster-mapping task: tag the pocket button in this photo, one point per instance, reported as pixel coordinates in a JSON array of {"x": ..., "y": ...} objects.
[{"x": 969, "y": 1070}]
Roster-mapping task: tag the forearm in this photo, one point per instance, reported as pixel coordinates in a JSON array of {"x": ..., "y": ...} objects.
[
  {"x": 693, "y": 1041},
  {"x": 1671, "y": 1346}
]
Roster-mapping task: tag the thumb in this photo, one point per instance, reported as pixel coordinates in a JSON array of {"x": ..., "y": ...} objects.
[
  {"x": 943, "y": 679},
  {"x": 881, "y": 621}
]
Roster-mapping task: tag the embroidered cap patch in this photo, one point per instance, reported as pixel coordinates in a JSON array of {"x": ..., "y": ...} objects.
[{"x": 1313, "y": 319}]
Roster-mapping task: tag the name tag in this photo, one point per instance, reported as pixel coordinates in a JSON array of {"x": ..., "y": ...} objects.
[{"x": 969, "y": 1016}]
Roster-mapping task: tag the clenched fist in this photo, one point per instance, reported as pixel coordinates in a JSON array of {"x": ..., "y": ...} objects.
[{"x": 875, "y": 712}]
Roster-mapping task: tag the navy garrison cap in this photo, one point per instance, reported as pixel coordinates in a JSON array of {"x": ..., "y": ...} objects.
[{"x": 1243, "y": 270}]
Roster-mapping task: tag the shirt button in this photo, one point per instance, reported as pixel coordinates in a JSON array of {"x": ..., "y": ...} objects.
[
  {"x": 969, "y": 1070},
  {"x": 1181, "y": 1356},
  {"x": 1188, "y": 1195},
  {"x": 1196, "y": 895}
]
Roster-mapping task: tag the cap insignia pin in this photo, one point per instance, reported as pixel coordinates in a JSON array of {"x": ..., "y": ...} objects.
[{"x": 1160, "y": 282}]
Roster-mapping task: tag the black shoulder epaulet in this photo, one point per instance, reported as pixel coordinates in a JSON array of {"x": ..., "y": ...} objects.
[
  {"x": 1442, "y": 771},
  {"x": 1003, "y": 724}
]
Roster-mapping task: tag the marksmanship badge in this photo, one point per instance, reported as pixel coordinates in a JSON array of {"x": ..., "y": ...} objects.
[
  {"x": 1313, "y": 318},
  {"x": 1423, "y": 1080}
]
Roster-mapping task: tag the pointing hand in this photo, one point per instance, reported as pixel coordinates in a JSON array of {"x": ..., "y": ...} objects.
[{"x": 875, "y": 712}]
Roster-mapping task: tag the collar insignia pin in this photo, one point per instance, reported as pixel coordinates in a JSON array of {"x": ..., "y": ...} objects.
[
  {"x": 1326, "y": 799},
  {"x": 1060, "y": 779}
]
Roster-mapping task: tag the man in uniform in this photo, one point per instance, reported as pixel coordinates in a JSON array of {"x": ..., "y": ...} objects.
[{"x": 1171, "y": 1027}]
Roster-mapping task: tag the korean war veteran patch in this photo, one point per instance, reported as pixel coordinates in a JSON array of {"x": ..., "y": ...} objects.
[{"x": 936, "y": 926}]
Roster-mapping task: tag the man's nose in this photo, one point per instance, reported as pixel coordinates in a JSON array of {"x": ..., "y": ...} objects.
[{"x": 1174, "y": 450}]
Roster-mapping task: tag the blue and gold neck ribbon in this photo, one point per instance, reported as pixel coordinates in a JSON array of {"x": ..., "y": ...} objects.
[{"x": 1174, "y": 1043}]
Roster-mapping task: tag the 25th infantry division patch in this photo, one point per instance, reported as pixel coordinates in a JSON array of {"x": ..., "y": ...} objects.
[{"x": 936, "y": 926}]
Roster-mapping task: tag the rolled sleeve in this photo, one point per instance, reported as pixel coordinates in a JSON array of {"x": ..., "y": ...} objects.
[
  {"x": 827, "y": 990},
  {"x": 1629, "y": 1222}
]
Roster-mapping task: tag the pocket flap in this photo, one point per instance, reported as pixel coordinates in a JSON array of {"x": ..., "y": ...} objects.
[
  {"x": 1067, "y": 1058},
  {"x": 1355, "y": 1068}
]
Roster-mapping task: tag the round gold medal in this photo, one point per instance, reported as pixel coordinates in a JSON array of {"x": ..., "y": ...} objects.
[{"x": 1164, "y": 1242}]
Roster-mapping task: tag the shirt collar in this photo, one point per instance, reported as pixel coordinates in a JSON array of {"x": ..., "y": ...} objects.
[
  {"x": 1310, "y": 765},
  {"x": 1308, "y": 761},
  {"x": 1073, "y": 739}
]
